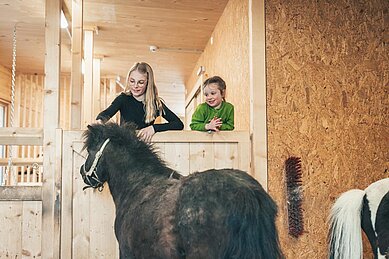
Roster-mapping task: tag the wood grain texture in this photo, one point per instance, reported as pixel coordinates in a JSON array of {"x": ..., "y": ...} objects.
[
  {"x": 228, "y": 57},
  {"x": 327, "y": 103},
  {"x": 126, "y": 29}
]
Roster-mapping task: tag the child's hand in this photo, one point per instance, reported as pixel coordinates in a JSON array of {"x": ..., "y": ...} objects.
[{"x": 214, "y": 124}]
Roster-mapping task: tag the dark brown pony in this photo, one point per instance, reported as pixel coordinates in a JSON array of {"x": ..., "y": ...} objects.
[{"x": 161, "y": 214}]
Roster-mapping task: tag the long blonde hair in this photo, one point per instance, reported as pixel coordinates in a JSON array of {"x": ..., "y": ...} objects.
[{"x": 152, "y": 102}]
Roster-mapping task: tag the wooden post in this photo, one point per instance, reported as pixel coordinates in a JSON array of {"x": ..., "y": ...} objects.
[
  {"x": 51, "y": 182},
  {"x": 96, "y": 98},
  {"x": 112, "y": 90},
  {"x": 88, "y": 78},
  {"x": 104, "y": 93},
  {"x": 76, "y": 73},
  {"x": 258, "y": 119}
]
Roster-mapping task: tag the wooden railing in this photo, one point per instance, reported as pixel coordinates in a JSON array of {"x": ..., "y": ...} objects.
[{"x": 24, "y": 167}]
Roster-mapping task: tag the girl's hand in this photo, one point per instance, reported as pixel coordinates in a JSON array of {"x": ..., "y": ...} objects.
[
  {"x": 214, "y": 124},
  {"x": 146, "y": 134}
]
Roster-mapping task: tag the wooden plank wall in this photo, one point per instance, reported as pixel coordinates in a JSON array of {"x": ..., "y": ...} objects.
[
  {"x": 20, "y": 206},
  {"x": 29, "y": 114},
  {"x": 109, "y": 90},
  {"x": 29, "y": 101},
  {"x": 327, "y": 99},
  {"x": 91, "y": 213},
  {"x": 227, "y": 55},
  {"x": 20, "y": 229},
  {"x": 190, "y": 151},
  {"x": 5, "y": 84}
]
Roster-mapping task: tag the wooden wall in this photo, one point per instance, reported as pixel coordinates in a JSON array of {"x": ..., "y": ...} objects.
[
  {"x": 29, "y": 114},
  {"x": 29, "y": 98},
  {"x": 327, "y": 101},
  {"x": 20, "y": 229},
  {"x": 228, "y": 57},
  {"x": 5, "y": 84}
]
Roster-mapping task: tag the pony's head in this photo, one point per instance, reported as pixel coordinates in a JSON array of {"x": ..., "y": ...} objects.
[{"x": 98, "y": 141}]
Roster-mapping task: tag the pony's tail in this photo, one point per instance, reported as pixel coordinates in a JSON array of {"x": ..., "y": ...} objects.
[
  {"x": 345, "y": 237},
  {"x": 252, "y": 230}
]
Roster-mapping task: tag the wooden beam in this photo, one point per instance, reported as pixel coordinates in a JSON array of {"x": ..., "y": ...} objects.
[
  {"x": 257, "y": 63},
  {"x": 88, "y": 79},
  {"x": 197, "y": 88},
  {"x": 22, "y": 161},
  {"x": 92, "y": 28},
  {"x": 67, "y": 192},
  {"x": 20, "y": 193},
  {"x": 68, "y": 16},
  {"x": 21, "y": 136},
  {"x": 51, "y": 187},
  {"x": 200, "y": 137},
  {"x": 96, "y": 98},
  {"x": 76, "y": 72}
]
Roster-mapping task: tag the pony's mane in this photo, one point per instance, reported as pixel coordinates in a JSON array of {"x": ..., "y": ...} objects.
[{"x": 120, "y": 135}]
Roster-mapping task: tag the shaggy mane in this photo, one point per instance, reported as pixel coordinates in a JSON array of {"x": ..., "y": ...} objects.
[{"x": 123, "y": 136}]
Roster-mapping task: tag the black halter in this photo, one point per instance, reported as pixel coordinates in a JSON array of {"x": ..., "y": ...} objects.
[{"x": 90, "y": 175}]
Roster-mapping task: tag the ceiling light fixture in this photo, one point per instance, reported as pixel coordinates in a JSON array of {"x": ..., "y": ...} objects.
[{"x": 153, "y": 48}]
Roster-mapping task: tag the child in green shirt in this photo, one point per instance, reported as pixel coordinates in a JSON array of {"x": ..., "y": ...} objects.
[{"x": 215, "y": 114}]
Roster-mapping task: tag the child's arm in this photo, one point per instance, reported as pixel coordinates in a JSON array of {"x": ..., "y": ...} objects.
[
  {"x": 228, "y": 122},
  {"x": 198, "y": 120}
]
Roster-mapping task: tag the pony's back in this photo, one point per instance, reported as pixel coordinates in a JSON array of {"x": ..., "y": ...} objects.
[{"x": 226, "y": 209}]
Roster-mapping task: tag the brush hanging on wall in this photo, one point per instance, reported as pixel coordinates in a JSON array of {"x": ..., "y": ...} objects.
[{"x": 294, "y": 196}]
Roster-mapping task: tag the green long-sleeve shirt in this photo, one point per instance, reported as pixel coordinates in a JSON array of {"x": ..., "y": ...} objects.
[{"x": 204, "y": 114}]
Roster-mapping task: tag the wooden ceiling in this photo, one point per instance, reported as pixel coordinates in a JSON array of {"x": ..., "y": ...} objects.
[{"x": 126, "y": 29}]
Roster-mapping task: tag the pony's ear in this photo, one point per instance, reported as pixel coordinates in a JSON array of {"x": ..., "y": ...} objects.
[{"x": 92, "y": 129}]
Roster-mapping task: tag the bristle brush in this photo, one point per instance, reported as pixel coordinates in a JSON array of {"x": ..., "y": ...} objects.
[{"x": 294, "y": 196}]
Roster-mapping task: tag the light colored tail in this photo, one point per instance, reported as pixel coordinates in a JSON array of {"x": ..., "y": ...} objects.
[{"x": 345, "y": 236}]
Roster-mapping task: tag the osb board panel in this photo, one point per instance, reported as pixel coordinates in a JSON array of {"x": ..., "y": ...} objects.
[
  {"x": 327, "y": 101},
  {"x": 228, "y": 57},
  {"x": 5, "y": 84},
  {"x": 20, "y": 229}
]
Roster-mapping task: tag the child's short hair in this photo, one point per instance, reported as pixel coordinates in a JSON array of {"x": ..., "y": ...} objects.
[{"x": 216, "y": 80}]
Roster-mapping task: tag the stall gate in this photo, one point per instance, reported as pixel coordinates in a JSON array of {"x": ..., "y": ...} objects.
[{"x": 87, "y": 217}]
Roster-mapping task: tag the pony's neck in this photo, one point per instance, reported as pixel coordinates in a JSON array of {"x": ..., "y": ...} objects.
[
  {"x": 132, "y": 167},
  {"x": 125, "y": 181}
]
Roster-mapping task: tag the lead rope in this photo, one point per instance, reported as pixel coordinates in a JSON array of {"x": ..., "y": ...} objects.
[{"x": 10, "y": 168}]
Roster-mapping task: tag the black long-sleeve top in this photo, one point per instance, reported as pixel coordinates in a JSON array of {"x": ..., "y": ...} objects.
[{"x": 132, "y": 110}]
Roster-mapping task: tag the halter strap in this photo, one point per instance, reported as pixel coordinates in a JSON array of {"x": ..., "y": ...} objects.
[
  {"x": 92, "y": 171},
  {"x": 97, "y": 157}
]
